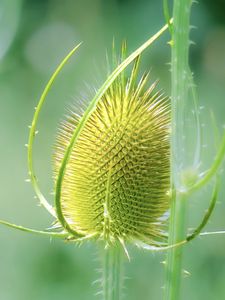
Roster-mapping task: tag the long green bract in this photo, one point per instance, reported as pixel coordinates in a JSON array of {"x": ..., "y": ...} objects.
[
  {"x": 46, "y": 233},
  {"x": 212, "y": 170},
  {"x": 207, "y": 214},
  {"x": 42, "y": 99}
]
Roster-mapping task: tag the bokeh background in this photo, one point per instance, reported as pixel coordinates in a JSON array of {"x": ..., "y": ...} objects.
[{"x": 34, "y": 36}]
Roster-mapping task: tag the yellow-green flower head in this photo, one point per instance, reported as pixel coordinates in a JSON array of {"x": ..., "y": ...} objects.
[
  {"x": 117, "y": 179},
  {"x": 112, "y": 163}
]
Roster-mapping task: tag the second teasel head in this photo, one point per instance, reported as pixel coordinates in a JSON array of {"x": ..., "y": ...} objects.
[{"x": 116, "y": 181}]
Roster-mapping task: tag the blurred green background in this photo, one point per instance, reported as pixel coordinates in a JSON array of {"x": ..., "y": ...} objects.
[{"x": 34, "y": 36}]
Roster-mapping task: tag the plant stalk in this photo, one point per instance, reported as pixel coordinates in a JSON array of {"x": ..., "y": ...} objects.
[
  {"x": 179, "y": 78},
  {"x": 177, "y": 233},
  {"x": 113, "y": 273}
]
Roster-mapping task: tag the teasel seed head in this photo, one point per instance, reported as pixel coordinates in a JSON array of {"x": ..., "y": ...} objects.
[{"x": 117, "y": 180}]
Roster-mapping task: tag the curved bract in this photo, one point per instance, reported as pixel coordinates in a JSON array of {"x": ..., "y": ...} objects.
[
  {"x": 117, "y": 178},
  {"x": 32, "y": 133}
]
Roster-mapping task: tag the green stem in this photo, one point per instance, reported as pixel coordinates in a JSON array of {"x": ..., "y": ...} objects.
[
  {"x": 179, "y": 77},
  {"x": 177, "y": 234},
  {"x": 112, "y": 273}
]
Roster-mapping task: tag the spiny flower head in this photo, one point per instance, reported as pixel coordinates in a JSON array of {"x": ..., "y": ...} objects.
[
  {"x": 112, "y": 163},
  {"x": 117, "y": 179}
]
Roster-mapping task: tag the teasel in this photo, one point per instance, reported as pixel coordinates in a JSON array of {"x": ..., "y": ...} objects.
[
  {"x": 117, "y": 179},
  {"x": 112, "y": 161},
  {"x": 112, "y": 169}
]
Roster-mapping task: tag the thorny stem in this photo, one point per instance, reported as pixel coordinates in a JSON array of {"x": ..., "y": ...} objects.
[
  {"x": 174, "y": 256},
  {"x": 113, "y": 272},
  {"x": 180, "y": 73}
]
